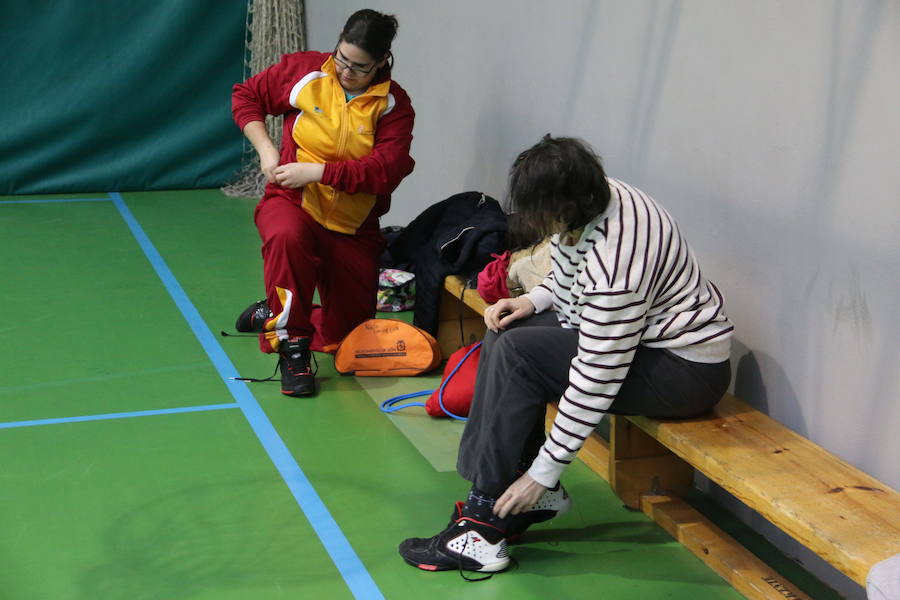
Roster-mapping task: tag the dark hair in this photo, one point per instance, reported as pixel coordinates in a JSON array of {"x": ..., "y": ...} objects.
[
  {"x": 370, "y": 30},
  {"x": 557, "y": 184}
]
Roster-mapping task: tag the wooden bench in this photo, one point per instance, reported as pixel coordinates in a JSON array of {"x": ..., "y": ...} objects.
[
  {"x": 845, "y": 516},
  {"x": 460, "y": 316}
]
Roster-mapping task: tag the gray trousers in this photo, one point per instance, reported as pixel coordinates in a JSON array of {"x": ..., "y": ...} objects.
[{"x": 527, "y": 366}]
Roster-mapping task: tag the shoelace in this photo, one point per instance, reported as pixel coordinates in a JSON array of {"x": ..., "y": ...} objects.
[
  {"x": 275, "y": 372},
  {"x": 291, "y": 359},
  {"x": 513, "y": 564},
  {"x": 262, "y": 312},
  {"x": 463, "y": 573},
  {"x": 271, "y": 377},
  {"x": 224, "y": 333}
]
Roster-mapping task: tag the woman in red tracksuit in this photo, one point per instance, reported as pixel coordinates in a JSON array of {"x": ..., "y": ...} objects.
[{"x": 345, "y": 148}]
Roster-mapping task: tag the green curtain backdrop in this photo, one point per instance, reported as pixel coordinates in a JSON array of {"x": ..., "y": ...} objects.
[{"x": 104, "y": 95}]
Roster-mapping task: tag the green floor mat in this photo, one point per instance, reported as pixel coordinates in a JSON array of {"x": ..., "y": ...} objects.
[{"x": 171, "y": 506}]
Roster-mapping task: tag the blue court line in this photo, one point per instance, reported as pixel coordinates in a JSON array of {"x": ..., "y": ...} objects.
[
  {"x": 122, "y": 415},
  {"x": 342, "y": 554},
  {"x": 53, "y": 200}
]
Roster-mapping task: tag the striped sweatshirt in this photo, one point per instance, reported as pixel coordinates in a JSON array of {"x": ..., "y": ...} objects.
[{"x": 631, "y": 279}]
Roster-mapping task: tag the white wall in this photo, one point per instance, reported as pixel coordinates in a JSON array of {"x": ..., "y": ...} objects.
[{"x": 770, "y": 129}]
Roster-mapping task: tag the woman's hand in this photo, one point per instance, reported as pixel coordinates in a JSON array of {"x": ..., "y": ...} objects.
[
  {"x": 505, "y": 311},
  {"x": 268, "y": 161},
  {"x": 518, "y": 497},
  {"x": 256, "y": 132},
  {"x": 296, "y": 175}
]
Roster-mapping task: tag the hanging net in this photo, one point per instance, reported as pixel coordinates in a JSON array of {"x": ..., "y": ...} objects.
[{"x": 274, "y": 27}]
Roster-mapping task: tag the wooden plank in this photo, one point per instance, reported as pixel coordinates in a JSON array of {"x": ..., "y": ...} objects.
[
  {"x": 459, "y": 323},
  {"x": 638, "y": 464},
  {"x": 722, "y": 553},
  {"x": 456, "y": 286},
  {"x": 847, "y": 517}
]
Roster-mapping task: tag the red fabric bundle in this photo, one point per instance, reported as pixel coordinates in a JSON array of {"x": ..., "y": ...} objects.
[
  {"x": 492, "y": 279},
  {"x": 459, "y": 386}
]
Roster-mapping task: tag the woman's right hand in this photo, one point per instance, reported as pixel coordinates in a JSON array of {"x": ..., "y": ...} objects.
[
  {"x": 498, "y": 316},
  {"x": 268, "y": 160},
  {"x": 256, "y": 132}
]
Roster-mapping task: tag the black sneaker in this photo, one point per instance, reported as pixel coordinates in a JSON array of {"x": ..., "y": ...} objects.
[
  {"x": 253, "y": 318},
  {"x": 466, "y": 544},
  {"x": 297, "y": 378},
  {"x": 553, "y": 503}
]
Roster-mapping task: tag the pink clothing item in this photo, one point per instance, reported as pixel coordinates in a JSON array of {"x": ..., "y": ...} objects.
[{"x": 492, "y": 279}]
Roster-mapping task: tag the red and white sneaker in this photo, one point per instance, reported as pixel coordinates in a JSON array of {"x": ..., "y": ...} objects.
[{"x": 465, "y": 544}]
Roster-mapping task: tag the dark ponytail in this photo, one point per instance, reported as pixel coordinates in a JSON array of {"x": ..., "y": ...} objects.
[{"x": 372, "y": 31}]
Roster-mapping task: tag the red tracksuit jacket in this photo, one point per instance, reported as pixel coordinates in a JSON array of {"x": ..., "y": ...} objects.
[{"x": 364, "y": 142}]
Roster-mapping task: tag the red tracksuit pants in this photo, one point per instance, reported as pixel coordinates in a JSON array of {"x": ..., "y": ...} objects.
[{"x": 299, "y": 255}]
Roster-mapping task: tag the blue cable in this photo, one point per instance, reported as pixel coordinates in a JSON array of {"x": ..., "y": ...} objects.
[
  {"x": 447, "y": 380},
  {"x": 390, "y": 405}
]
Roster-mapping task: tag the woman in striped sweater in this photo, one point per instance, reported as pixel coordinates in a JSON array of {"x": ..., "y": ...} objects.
[{"x": 625, "y": 323}]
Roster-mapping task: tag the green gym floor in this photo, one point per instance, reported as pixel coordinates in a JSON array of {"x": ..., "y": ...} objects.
[{"x": 133, "y": 468}]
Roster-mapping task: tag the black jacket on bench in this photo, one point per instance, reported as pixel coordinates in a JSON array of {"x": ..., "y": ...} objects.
[{"x": 456, "y": 236}]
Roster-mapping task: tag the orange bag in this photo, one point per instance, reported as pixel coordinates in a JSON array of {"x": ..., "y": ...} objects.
[{"x": 387, "y": 348}]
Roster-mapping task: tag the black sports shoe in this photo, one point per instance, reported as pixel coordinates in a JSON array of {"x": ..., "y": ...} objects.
[
  {"x": 465, "y": 544},
  {"x": 553, "y": 503},
  {"x": 297, "y": 379},
  {"x": 253, "y": 318}
]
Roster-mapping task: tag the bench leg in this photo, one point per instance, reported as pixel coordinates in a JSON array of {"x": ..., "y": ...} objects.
[
  {"x": 638, "y": 464},
  {"x": 458, "y": 325}
]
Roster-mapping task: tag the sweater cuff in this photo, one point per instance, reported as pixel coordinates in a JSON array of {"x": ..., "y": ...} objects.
[
  {"x": 242, "y": 118},
  {"x": 545, "y": 471},
  {"x": 329, "y": 175},
  {"x": 541, "y": 298}
]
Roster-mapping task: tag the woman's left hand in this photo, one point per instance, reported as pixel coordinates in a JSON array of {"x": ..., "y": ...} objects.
[
  {"x": 506, "y": 310},
  {"x": 296, "y": 175},
  {"x": 524, "y": 492}
]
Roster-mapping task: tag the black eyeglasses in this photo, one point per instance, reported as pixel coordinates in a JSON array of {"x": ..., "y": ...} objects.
[{"x": 352, "y": 68}]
